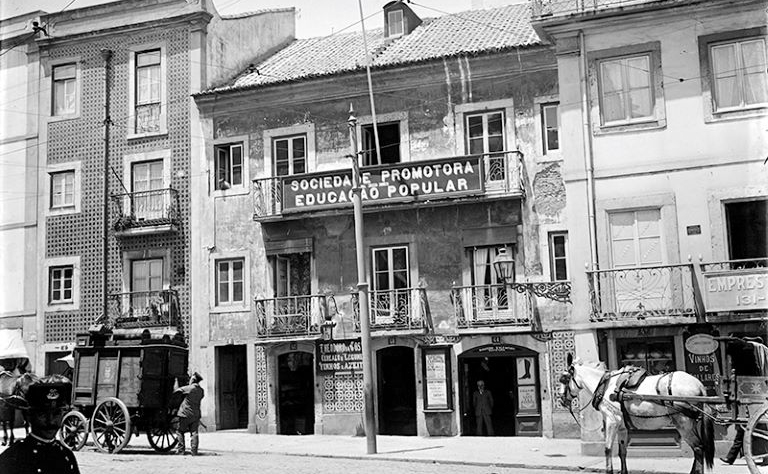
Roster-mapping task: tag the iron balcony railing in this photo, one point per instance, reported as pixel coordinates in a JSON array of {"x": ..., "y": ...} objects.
[
  {"x": 729, "y": 265},
  {"x": 398, "y": 309},
  {"x": 550, "y": 8},
  {"x": 291, "y": 316},
  {"x": 489, "y": 174},
  {"x": 138, "y": 309},
  {"x": 490, "y": 305},
  {"x": 146, "y": 208},
  {"x": 642, "y": 292}
]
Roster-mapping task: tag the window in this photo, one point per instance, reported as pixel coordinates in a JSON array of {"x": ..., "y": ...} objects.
[
  {"x": 485, "y": 135},
  {"x": 390, "y": 300},
  {"x": 62, "y": 189},
  {"x": 61, "y": 286},
  {"x": 64, "y": 90},
  {"x": 626, "y": 92},
  {"x": 395, "y": 23},
  {"x": 558, "y": 260},
  {"x": 229, "y": 165},
  {"x": 147, "y": 184},
  {"x": 291, "y": 274},
  {"x": 229, "y": 281},
  {"x": 490, "y": 292},
  {"x": 739, "y": 73},
  {"x": 290, "y": 155},
  {"x": 148, "y": 91},
  {"x": 550, "y": 127},
  {"x": 747, "y": 229},
  {"x": 389, "y": 137}
]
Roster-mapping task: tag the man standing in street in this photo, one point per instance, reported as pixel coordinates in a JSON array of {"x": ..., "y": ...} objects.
[
  {"x": 189, "y": 413},
  {"x": 483, "y": 403},
  {"x": 44, "y": 402}
]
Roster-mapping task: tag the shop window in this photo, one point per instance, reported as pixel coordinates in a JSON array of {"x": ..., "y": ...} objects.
[
  {"x": 656, "y": 355},
  {"x": 389, "y": 138},
  {"x": 747, "y": 224}
]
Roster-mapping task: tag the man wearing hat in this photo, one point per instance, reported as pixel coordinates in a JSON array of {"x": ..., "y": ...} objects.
[
  {"x": 44, "y": 402},
  {"x": 189, "y": 413}
]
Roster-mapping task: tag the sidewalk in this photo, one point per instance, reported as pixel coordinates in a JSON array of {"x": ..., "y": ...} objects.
[{"x": 514, "y": 452}]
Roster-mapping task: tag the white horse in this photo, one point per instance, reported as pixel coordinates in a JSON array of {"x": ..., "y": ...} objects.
[{"x": 694, "y": 426}]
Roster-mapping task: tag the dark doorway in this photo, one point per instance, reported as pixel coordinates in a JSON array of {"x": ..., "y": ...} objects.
[
  {"x": 498, "y": 373},
  {"x": 232, "y": 385},
  {"x": 396, "y": 383},
  {"x": 296, "y": 395},
  {"x": 747, "y": 229}
]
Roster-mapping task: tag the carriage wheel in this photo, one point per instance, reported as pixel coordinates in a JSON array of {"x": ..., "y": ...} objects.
[
  {"x": 162, "y": 438},
  {"x": 111, "y": 425},
  {"x": 756, "y": 438},
  {"x": 74, "y": 430}
]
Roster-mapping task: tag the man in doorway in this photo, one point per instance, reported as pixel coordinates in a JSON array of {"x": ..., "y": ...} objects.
[
  {"x": 189, "y": 414},
  {"x": 482, "y": 400}
]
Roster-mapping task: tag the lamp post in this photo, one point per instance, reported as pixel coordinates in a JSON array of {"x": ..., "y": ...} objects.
[
  {"x": 504, "y": 265},
  {"x": 362, "y": 290}
]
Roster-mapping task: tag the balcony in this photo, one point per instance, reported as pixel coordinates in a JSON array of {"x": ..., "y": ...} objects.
[
  {"x": 146, "y": 212},
  {"x": 290, "y": 316},
  {"x": 484, "y": 306},
  {"x": 144, "y": 309},
  {"x": 639, "y": 293},
  {"x": 461, "y": 177},
  {"x": 402, "y": 309},
  {"x": 543, "y": 9}
]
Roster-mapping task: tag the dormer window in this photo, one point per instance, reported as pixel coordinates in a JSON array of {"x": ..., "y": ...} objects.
[{"x": 395, "y": 25}]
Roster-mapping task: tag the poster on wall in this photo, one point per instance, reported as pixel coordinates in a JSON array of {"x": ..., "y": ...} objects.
[
  {"x": 526, "y": 371},
  {"x": 437, "y": 379},
  {"x": 526, "y": 399}
]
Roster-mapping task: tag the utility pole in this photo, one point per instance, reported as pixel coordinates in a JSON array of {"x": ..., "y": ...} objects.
[
  {"x": 362, "y": 289},
  {"x": 106, "y": 54}
]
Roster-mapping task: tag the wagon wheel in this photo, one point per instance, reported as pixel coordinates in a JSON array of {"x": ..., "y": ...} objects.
[
  {"x": 162, "y": 438},
  {"x": 756, "y": 438},
  {"x": 111, "y": 425},
  {"x": 74, "y": 430}
]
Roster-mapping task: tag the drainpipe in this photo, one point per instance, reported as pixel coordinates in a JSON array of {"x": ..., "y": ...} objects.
[
  {"x": 106, "y": 54},
  {"x": 589, "y": 164}
]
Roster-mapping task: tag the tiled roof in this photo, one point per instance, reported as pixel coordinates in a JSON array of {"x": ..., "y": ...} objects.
[
  {"x": 470, "y": 32},
  {"x": 256, "y": 12}
]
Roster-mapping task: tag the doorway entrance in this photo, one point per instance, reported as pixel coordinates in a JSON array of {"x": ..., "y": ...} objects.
[
  {"x": 396, "y": 383},
  {"x": 232, "y": 387},
  {"x": 296, "y": 395},
  {"x": 511, "y": 374}
]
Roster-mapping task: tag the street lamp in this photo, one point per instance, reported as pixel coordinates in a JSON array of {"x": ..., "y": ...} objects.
[{"x": 504, "y": 265}]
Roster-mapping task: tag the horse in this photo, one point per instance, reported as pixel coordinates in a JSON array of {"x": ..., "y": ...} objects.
[
  {"x": 11, "y": 387},
  {"x": 695, "y": 426}
]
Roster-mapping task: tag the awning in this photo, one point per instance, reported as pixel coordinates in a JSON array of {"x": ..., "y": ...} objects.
[{"x": 12, "y": 344}]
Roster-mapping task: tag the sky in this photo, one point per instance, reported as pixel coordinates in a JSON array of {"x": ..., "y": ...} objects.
[{"x": 314, "y": 17}]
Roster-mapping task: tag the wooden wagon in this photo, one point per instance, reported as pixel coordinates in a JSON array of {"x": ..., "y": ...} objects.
[{"x": 123, "y": 385}]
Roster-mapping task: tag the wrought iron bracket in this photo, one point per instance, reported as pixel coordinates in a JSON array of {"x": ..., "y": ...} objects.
[{"x": 554, "y": 290}]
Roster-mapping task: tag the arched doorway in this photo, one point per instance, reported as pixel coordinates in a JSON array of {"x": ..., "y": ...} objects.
[
  {"x": 296, "y": 394},
  {"x": 396, "y": 383},
  {"x": 511, "y": 374}
]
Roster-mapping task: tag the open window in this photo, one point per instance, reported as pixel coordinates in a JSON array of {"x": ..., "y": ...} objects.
[{"x": 389, "y": 140}]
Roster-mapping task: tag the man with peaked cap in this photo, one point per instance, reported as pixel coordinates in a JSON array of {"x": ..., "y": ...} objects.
[
  {"x": 189, "y": 414},
  {"x": 44, "y": 402}
]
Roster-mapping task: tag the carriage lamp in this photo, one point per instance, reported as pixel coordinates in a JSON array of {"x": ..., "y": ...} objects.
[
  {"x": 326, "y": 329},
  {"x": 504, "y": 265}
]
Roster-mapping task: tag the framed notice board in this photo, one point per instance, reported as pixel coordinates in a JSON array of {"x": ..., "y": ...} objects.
[{"x": 436, "y": 365}]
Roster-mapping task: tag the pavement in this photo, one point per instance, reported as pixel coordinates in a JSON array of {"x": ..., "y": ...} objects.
[{"x": 512, "y": 452}]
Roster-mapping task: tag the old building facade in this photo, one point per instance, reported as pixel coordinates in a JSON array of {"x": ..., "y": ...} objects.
[
  {"x": 114, "y": 84},
  {"x": 467, "y": 170},
  {"x": 663, "y": 114}
]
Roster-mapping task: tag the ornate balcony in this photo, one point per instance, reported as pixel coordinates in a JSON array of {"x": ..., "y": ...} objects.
[
  {"x": 146, "y": 212},
  {"x": 291, "y": 316},
  {"x": 403, "y": 309},
  {"x": 732, "y": 265},
  {"x": 642, "y": 293},
  {"x": 542, "y": 9},
  {"x": 458, "y": 177},
  {"x": 144, "y": 309}
]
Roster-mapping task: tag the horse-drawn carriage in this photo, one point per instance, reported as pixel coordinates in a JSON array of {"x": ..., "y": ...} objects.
[
  {"x": 629, "y": 399},
  {"x": 122, "y": 385}
]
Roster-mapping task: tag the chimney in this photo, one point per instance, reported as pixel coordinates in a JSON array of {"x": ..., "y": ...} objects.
[{"x": 399, "y": 19}]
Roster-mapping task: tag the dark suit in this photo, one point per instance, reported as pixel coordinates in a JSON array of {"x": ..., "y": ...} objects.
[{"x": 483, "y": 403}]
